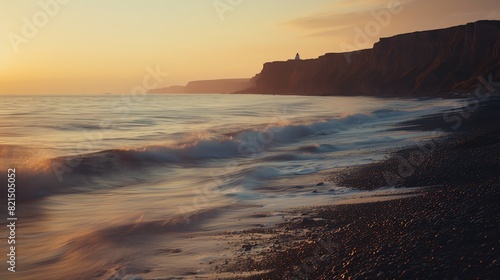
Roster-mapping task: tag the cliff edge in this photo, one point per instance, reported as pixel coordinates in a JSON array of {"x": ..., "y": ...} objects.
[{"x": 425, "y": 63}]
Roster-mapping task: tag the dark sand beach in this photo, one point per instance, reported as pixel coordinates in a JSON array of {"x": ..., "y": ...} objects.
[{"x": 448, "y": 229}]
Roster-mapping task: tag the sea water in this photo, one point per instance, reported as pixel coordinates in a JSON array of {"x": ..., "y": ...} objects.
[{"x": 138, "y": 187}]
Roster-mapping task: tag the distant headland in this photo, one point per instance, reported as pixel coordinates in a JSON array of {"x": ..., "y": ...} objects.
[{"x": 208, "y": 86}]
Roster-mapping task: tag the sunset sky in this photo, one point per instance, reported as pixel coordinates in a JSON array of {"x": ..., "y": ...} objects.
[{"x": 96, "y": 46}]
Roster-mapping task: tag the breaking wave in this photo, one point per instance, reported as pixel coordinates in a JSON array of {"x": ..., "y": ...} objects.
[{"x": 87, "y": 172}]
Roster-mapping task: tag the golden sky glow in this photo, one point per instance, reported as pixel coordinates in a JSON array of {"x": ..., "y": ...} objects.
[{"x": 96, "y": 46}]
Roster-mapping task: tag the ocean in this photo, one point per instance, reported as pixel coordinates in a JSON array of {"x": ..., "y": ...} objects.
[{"x": 143, "y": 187}]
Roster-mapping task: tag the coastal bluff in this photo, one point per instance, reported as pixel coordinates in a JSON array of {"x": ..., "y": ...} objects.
[
  {"x": 207, "y": 86},
  {"x": 425, "y": 63}
]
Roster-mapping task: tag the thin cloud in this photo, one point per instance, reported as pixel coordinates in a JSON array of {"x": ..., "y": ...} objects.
[
  {"x": 342, "y": 16},
  {"x": 345, "y": 13},
  {"x": 318, "y": 21},
  {"x": 332, "y": 31}
]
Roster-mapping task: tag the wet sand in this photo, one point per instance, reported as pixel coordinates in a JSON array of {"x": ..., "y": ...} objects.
[{"x": 447, "y": 230}]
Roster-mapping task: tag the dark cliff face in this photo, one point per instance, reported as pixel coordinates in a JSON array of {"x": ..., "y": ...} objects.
[{"x": 420, "y": 63}]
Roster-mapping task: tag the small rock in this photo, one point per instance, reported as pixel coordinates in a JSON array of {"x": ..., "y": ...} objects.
[{"x": 247, "y": 247}]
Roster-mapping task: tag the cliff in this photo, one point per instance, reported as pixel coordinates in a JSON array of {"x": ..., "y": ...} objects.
[
  {"x": 170, "y": 89},
  {"x": 208, "y": 86},
  {"x": 217, "y": 86},
  {"x": 420, "y": 63}
]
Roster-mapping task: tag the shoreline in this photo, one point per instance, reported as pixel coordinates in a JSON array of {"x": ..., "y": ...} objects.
[{"x": 447, "y": 231}]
